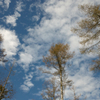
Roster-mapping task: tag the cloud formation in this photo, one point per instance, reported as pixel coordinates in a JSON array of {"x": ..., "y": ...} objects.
[{"x": 11, "y": 19}]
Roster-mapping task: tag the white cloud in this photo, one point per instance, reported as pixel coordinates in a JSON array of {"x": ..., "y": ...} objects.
[
  {"x": 24, "y": 88},
  {"x": 25, "y": 60},
  {"x": 31, "y": 54},
  {"x": 74, "y": 43},
  {"x": 11, "y": 41},
  {"x": 27, "y": 83},
  {"x": 11, "y": 19}
]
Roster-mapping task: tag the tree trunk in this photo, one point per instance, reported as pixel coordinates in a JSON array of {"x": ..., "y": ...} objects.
[{"x": 61, "y": 85}]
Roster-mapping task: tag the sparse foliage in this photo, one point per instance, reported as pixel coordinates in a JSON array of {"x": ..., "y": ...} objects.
[
  {"x": 96, "y": 65},
  {"x": 58, "y": 56},
  {"x": 50, "y": 90},
  {"x": 7, "y": 92},
  {"x": 89, "y": 31}
]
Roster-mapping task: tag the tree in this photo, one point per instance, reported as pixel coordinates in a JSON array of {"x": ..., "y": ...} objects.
[
  {"x": 3, "y": 90},
  {"x": 50, "y": 90},
  {"x": 89, "y": 31},
  {"x": 96, "y": 65},
  {"x": 58, "y": 56},
  {"x": 6, "y": 90}
]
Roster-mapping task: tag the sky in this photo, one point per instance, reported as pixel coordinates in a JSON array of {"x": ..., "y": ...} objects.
[{"x": 29, "y": 27}]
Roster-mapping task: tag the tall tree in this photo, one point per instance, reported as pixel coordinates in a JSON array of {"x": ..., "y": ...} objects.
[
  {"x": 50, "y": 90},
  {"x": 88, "y": 30},
  {"x": 58, "y": 56},
  {"x": 6, "y": 90}
]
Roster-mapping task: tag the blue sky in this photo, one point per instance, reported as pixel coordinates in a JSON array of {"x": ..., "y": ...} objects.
[{"x": 29, "y": 27}]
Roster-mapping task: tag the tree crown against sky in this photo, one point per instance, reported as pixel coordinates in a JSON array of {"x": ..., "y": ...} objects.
[
  {"x": 51, "y": 90},
  {"x": 58, "y": 56},
  {"x": 89, "y": 31}
]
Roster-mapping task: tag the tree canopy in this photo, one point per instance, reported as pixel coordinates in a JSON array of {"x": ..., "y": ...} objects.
[
  {"x": 58, "y": 56},
  {"x": 88, "y": 30}
]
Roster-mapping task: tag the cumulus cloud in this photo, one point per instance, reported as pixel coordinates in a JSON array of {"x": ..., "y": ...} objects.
[
  {"x": 11, "y": 19},
  {"x": 27, "y": 83},
  {"x": 11, "y": 41}
]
